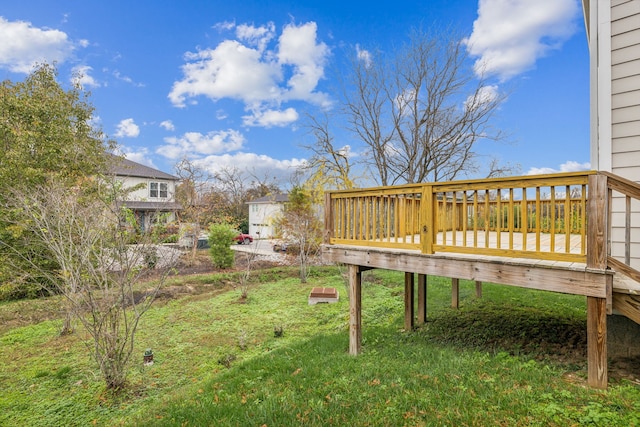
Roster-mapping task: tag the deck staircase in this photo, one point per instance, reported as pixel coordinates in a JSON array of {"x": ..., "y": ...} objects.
[{"x": 626, "y": 297}]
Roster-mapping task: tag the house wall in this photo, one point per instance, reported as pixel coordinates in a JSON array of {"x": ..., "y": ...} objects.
[
  {"x": 261, "y": 217},
  {"x": 625, "y": 88},
  {"x": 142, "y": 194},
  {"x": 618, "y": 61}
]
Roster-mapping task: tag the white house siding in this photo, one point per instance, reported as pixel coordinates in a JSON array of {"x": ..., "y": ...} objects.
[
  {"x": 261, "y": 218},
  {"x": 625, "y": 116},
  {"x": 142, "y": 194}
]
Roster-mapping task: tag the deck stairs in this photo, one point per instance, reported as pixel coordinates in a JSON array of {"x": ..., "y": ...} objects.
[{"x": 626, "y": 296}]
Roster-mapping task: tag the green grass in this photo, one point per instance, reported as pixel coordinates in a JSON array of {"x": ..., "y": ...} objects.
[{"x": 481, "y": 365}]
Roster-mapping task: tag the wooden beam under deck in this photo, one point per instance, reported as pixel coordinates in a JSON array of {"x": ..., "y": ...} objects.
[{"x": 555, "y": 276}]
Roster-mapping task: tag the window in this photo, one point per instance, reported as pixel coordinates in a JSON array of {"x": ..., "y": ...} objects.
[{"x": 158, "y": 190}]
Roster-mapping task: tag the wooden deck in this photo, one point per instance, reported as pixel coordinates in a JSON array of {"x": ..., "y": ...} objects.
[{"x": 550, "y": 232}]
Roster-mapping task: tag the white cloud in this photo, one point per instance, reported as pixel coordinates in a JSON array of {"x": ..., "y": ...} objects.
[
  {"x": 196, "y": 144},
  {"x": 139, "y": 156},
  {"x": 167, "y": 125},
  {"x": 510, "y": 35},
  {"x": 231, "y": 70},
  {"x": 256, "y": 36},
  {"x": 22, "y": 46},
  {"x": 126, "y": 79},
  {"x": 81, "y": 76},
  {"x": 569, "y": 166},
  {"x": 486, "y": 94},
  {"x": 347, "y": 152},
  {"x": 256, "y": 164},
  {"x": 226, "y": 25},
  {"x": 364, "y": 56},
  {"x": 127, "y": 129},
  {"x": 247, "y": 71},
  {"x": 298, "y": 47},
  {"x": 270, "y": 118}
]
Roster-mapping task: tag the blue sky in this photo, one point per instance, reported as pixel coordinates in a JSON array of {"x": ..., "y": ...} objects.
[{"x": 227, "y": 83}]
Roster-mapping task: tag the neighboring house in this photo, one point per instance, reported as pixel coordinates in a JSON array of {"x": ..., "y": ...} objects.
[
  {"x": 154, "y": 196},
  {"x": 262, "y": 212},
  {"x": 613, "y": 31}
]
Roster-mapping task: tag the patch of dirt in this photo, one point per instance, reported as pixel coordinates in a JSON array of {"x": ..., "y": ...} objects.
[
  {"x": 625, "y": 367},
  {"x": 26, "y": 312},
  {"x": 542, "y": 336},
  {"x": 201, "y": 263}
]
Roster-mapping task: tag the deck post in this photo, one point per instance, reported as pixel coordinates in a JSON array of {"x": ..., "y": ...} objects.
[
  {"x": 422, "y": 299},
  {"x": 597, "y": 342},
  {"x": 328, "y": 219},
  {"x": 478, "y": 289},
  {"x": 355, "y": 310},
  {"x": 426, "y": 213},
  {"x": 598, "y": 223},
  {"x": 455, "y": 293},
  {"x": 408, "y": 301}
]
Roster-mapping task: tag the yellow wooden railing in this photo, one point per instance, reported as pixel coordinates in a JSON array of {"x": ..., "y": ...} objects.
[
  {"x": 623, "y": 198},
  {"x": 542, "y": 217}
]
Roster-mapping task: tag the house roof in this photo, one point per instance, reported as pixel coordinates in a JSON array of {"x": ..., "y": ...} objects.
[
  {"x": 124, "y": 167},
  {"x": 272, "y": 198}
]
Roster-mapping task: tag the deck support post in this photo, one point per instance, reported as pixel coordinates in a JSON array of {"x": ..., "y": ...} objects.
[
  {"x": 355, "y": 310},
  {"x": 478, "y": 289},
  {"x": 455, "y": 293},
  {"x": 597, "y": 342},
  {"x": 422, "y": 299},
  {"x": 408, "y": 301}
]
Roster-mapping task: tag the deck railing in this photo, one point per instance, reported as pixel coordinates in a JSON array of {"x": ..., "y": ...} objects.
[
  {"x": 623, "y": 205},
  {"x": 550, "y": 217}
]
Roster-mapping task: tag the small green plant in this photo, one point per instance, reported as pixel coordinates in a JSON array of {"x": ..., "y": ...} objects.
[
  {"x": 148, "y": 357},
  {"x": 242, "y": 340},
  {"x": 278, "y": 331},
  {"x": 150, "y": 256},
  {"x": 220, "y": 241},
  {"x": 226, "y": 360},
  {"x": 63, "y": 373}
]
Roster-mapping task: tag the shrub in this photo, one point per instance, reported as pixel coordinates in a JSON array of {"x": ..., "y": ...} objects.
[{"x": 220, "y": 241}]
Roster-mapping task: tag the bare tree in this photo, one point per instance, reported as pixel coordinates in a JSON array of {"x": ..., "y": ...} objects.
[
  {"x": 261, "y": 186},
  {"x": 87, "y": 235},
  {"x": 234, "y": 187},
  {"x": 329, "y": 166},
  {"x": 190, "y": 194},
  {"x": 301, "y": 227},
  {"x": 497, "y": 170},
  {"x": 230, "y": 181},
  {"x": 421, "y": 112}
]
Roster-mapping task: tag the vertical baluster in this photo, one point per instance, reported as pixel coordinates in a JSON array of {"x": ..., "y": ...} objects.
[
  {"x": 552, "y": 230},
  {"x": 524, "y": 218},
  {"x": 511, "y": 218},
  {"x": 567, "y": 219},
  {"x": 538, "y": 224}
]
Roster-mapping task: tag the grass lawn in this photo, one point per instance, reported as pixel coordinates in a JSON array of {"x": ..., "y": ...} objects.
[{"x": 514, "y": 358}]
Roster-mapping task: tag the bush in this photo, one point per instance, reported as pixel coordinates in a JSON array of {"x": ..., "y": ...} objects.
[{"x": 220, "y": 241}]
